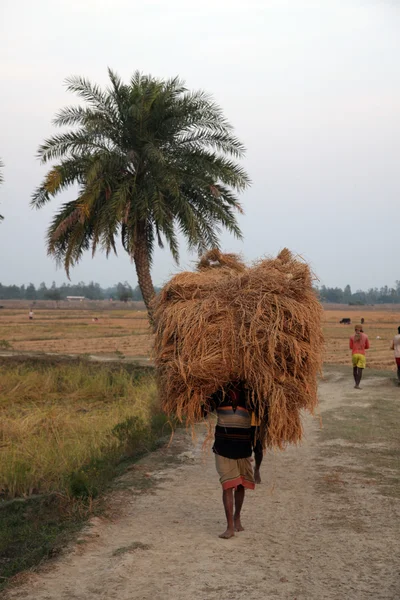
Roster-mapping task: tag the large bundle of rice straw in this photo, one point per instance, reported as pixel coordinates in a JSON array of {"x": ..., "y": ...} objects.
[{"x": 228, "y": 322}]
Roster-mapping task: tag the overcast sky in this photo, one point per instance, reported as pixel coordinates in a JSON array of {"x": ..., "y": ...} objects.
[{"x": 311, "y": 87}]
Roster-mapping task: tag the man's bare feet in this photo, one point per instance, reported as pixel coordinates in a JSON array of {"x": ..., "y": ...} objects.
[
  {"x": 257, "y": 477},
  {"x": 238, "y": 525},
  {"x": 227, "y": 534}
]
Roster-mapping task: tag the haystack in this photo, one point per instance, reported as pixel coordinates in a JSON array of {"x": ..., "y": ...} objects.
[{"x": 225, "y": 322}]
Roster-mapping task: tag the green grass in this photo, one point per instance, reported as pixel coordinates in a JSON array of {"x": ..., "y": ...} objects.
[
  {"x": 5, "y": 345},
  {"x": 131, "y": 548},
  {"x": 35, "y": 529}
]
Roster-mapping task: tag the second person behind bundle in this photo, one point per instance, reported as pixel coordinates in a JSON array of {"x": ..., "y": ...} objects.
[{"x": 359, "y": 343}]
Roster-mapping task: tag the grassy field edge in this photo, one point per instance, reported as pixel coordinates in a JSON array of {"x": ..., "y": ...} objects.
[
  {"x": 39, "y": 527},
  {"x": 115, "y": 406}
]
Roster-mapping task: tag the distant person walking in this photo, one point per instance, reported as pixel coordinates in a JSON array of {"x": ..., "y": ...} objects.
[
  {"x": 359, "y": 343},
  {"x": 31, "y": 315},
  {"x": 396, "y": 347}
]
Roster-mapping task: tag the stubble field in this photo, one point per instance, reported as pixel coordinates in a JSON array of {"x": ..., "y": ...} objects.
[
  {"x": 126, "y": 333},
  {"x": 74, "y": 331}
]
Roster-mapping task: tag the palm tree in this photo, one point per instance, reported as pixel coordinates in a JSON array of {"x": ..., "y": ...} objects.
[
  {"x": 151, "y": 159},
  {"x": 1, "y": 181}
]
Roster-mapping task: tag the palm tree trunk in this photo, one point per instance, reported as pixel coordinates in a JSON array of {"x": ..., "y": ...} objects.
[{"x": 142, "y": 264}]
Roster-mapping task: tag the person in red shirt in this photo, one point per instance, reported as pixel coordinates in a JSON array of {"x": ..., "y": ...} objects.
[{"x": 359, "y": 343}]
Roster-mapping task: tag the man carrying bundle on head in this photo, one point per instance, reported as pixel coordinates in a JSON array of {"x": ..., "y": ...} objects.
[
  {"x": 258, "y": 326},
  {"x": 233, "y": 447}
]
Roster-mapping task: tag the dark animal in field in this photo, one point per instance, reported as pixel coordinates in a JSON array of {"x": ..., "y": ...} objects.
[{"x": 345, "y": 321}]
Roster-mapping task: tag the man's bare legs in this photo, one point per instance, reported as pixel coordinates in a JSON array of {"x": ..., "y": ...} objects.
[
  {"x": 357, "y": 374},
  {"x": 232, "y": 519},
  {"x": 227, "y": 499},
  {"x": 258, "y": 456},
  {"x": 239, "y": 499}
]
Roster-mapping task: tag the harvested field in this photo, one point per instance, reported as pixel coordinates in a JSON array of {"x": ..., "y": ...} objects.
[
  {"x": 126, "y": 331},
  {"x": 73, "y": 331}
]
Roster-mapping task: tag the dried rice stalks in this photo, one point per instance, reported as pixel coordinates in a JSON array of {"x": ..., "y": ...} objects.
[{"x": 225, "y": 322}]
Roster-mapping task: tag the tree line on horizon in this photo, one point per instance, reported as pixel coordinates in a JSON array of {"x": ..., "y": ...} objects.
[
  {"x": 383, "y": 295},
  {"x": 121, "y": 291}
]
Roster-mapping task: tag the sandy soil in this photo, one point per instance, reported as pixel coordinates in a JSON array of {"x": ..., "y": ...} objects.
[{"x": 304, "y": 540}]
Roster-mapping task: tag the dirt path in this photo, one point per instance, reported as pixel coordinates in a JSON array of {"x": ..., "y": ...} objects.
[{"x": 303, "y": 541}]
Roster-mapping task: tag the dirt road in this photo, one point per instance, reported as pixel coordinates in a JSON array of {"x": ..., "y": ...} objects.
[{"x": 313, "y": 531}]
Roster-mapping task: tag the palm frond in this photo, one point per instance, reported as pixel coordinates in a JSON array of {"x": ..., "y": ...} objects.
[{"x": 91, "y": 93}]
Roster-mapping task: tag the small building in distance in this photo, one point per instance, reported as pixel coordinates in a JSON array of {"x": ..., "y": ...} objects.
[{"x": 76, "y": 298}]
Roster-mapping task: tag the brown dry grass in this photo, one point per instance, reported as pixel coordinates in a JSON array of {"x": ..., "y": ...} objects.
[{"x": 56, "y": 419}]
